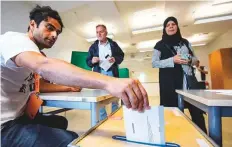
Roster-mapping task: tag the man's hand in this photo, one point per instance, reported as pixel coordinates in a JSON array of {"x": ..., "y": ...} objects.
[
  {"x": 111, "y": 59},
  {"x": 131, "y": 92},
  {"x": 177, "y": 59},
  {"x": 200, "y": 70},
  {"x": 95, "y": 60},
  {"x": 74, "y": 89}
]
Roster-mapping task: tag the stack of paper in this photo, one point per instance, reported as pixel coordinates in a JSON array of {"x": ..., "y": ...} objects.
[{"x": 147, "y": 127}]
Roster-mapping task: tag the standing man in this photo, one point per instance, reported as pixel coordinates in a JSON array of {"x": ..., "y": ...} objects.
[
  {"x": 20, "y": 58},
  {"x": 200, "y": 74},
  {"x": 101, "y": 50}
]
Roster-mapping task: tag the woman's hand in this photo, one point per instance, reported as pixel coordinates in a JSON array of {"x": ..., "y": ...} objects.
[{"x": 178, "y": 60}]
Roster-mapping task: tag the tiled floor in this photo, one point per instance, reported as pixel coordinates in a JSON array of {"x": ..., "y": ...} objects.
[{"x": 79, "y": 121}]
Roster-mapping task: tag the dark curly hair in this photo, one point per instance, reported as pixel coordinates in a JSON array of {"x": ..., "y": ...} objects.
[{"x": 39, "y": 14}]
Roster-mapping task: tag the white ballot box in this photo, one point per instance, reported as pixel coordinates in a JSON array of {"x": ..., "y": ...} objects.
[{"x": 147, "y": 126}]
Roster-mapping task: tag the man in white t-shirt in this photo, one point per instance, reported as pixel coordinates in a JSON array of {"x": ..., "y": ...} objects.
[{"x": 21, "y": 57}]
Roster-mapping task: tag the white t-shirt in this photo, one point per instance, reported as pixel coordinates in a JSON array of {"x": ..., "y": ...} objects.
[
  {"x": 198, "y": 75},
  {"x": 16, "y": 81}
]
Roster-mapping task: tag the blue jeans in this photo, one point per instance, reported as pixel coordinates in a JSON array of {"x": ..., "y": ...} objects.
[
  {"x": 43, "y": 131},
  {"x": 102, "y": 111}
]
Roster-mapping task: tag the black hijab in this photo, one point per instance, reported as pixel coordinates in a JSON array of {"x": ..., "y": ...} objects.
[{"x": 172, "y": 40}]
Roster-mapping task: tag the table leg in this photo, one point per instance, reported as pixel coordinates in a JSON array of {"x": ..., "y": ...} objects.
[
  {"x": 94, "y": 114},
  {"x": 41, "y": 109},
  {"x": 215, "y": 125},
  {"x": 181, "y": 102}
]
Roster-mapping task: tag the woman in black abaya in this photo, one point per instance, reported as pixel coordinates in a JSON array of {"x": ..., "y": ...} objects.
[{"x": 168, "y": 57}]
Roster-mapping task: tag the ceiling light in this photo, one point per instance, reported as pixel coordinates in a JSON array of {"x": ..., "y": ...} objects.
[
  {"x": 147, "y": 18},
  {"x": 122, "y": 45},
  {"x": 89, "y": 28},
  {"x": 198, "y": 38},
  {"x": 220, "y": 2},
  {"x": 202, "y": 44},
  {"x": 147, "y": 30},
  {"x": 145, "y": 51},
  {"x": 146, "y": 44},
  {"x": 209, "y": 11},
  {"x": 212, "y": 19},
  {"x": 95, "y": 38}
]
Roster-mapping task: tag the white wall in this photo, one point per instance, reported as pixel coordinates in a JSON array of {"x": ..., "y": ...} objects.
[
  {"x": 223, "y": 41},
  {"x": 14, "y": 16},
  {"x": 142, "y": 70},
  {"x": 202, "y": 53},
  {"x": 66, "y": 43}
]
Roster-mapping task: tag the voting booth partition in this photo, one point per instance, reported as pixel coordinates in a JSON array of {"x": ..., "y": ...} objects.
[
  {"x": 79, "y": 59},
  {"x": 124, "y": 73}
]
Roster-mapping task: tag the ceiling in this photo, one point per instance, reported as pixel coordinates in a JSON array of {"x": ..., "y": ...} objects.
[{"x": 122, "y": 17}]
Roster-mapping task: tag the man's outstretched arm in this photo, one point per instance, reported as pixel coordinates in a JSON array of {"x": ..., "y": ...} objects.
[
  {"x": 45, "y": 87},
  {"x": 129, "y": 90}
]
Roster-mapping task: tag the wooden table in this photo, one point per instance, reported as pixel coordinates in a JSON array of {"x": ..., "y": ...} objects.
[
  {"x": 216, "y": 105},
  {"x": 87, "y": 99},
  {"x": 178, "y": 129}
]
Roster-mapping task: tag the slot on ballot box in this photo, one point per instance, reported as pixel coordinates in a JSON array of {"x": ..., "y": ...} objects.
[{"x": 147, "y": 126}]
